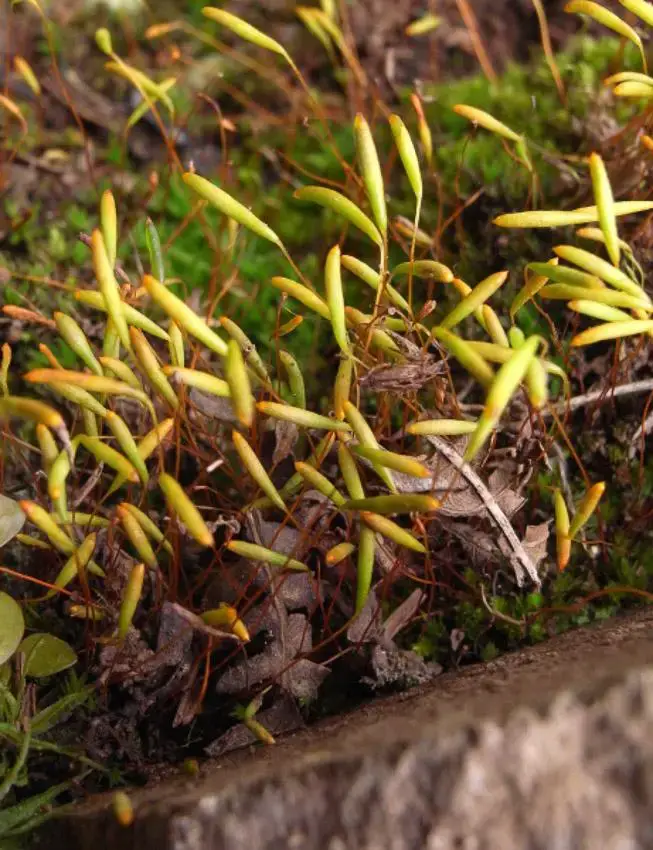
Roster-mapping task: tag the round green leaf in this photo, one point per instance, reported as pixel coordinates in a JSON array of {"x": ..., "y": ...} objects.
[
  {"x": 46, "y": 655},
  {"x": 12, "y": 519},
  {"x": 12, "y": 626}
]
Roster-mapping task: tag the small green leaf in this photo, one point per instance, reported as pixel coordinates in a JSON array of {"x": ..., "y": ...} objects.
[
  {"x": 46, "y": 655},
  {"x": 12, "y": 519},
  {"x": 12, "y": 626}
]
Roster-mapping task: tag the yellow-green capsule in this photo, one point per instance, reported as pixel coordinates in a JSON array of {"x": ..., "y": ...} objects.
[
  {"x": 595, "y": 234},
  {"x": 366, "y": 438},
  {"x": 388, "y": 528},
  {"x": 86, "y": 612},
  {"x": 26, "y": 72},
  {"x": 184, "y": 315},
  {"x": 79, "y": 396},
  {"x": 47, "y": 446},
  {"x": 90, "y": 423},
  {"x": 149, "y": 527},
  {"x": 600, "y": 268},
  {"x": 225, "y": 616},
  {"x": 229, "y": 206},
  {"x": 371, "y": 173},
  {"x": 111, "y": 341},
  {"x": 405, "y": 503},
  {"x": 320, "y": 483},
  {"x": 476, "y": 298},
  {"x": 380, "y": 338},
  {"x": 251, "y": 355},
  {"x": 564, "y": 292},
  {"x": 532, "y": 286},
  {"x": 563, "y": 541},
  {"x": 338, "y": 553},
  {"x": 392, "y": 460},
  {"x": 302, "y": 418},
  {"x": 109, "y": 287},
  {"x": 605, "y": 206},
  {"x": 302, "y": 294},
  {"x": 240, "y": 389},
  {"x": 34, "y": 411},
  {"x": 536, "y": 381},
  {"x": 75, "y": 337},
  {"x": 586, "y": 508},
  {"x": 34, "y": 542},
  {"x": 127, "y": 443},
  {"x": 57, "y": 477},
  {"x": 149, "y": 443},
  {"x": 373, "y": 280},
  {"x": 335, "y": 298},
  {"x": 294, "y": 483},
  {"x": 121, "y": 371},
  {"x": 268, "y": 556},
  {"x": 426, "y": 269},
  {"x": 408, "y": 154},
  {"x": 185, "y": 510},
  {"x": 256, "y": 469},
  {"x": 340, "y": 204},
  {"x": 441, "y": 427},
  {"x": 77, "y": 562},
  {"x": 176, "y": 345},
  {"x": 342, "y": 386},
  {"x": 130, "y": 600},
  {"x": 137, "y": 537},
  {"x": 494, "y": 326},
  {"x": 4, "y": 369},
  {"x": 132, "y": 316},
  {"x": 468, "y": 358},
  {"x": 105, "y": 454},
  {"x": 607, "y": 19},
  {"x": 612, "y": 330},
  {"x": 295, "y": 378},
  {"x": 487, "y": 121},
  {"x": 641, "y": 8},
  {"x": 150, "y": 367},
  {"x": 259, "y": 731},
  {"x": 364, "y": 565},
  {"x": 200, "y": 380},
  {"x": 109, "y": 225},
  {"x": 507, "y": 379},
  {"x": 563, "y": 218},
  {"x": 245, "y": 31},
  {"x": 603, "y": 312},
  {"x": 82, "y": 519},
  {"x": 349, "y": 472},
  {"x": 44, "y": 522}
]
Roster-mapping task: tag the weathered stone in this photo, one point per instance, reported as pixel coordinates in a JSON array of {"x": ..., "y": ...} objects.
[{"x": 547, "y": 749}]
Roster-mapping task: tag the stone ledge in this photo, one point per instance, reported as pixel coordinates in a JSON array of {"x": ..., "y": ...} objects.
[{"x": 550, "y": 748}]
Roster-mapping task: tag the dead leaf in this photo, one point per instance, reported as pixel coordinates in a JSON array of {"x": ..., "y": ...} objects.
[
  {"x": 403, "y": 614},
  {"x": 408, "y": 377},
  {"x": 285, "y": 434}
]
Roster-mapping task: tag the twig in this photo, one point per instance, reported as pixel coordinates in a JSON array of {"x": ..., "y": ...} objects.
[
  {"x": 520, "y": 560},
  {"x": 598, "y": 395},
  {"x": 498, "y": 614}
]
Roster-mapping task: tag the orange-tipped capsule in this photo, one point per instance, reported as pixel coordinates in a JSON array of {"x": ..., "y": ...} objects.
[
  {"x": 338, "y": 553},
  {"x": 39, "y": 517},
  {"x": 105, "y": 454},
  {"x": 226, "y": 616},
  {"x": 187, "y": 513},
  {"x": 76, "y": 564},
  {"x": 130, "y": 600},
  {"x": 123, "y": 809},
  {"x": 342, "y": 386},
  {"x": 91, "y": 383}
]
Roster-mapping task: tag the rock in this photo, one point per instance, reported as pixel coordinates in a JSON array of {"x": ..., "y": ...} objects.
[{"x": 547, "y": 749}]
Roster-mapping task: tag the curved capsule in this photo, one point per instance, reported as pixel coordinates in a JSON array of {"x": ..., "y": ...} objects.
[
  {"x": 76, "y": 339},
  {"x": 240, "y": 389},
  {"x": 268, "y": 556},
  {"x": 256, "y": 469}
]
